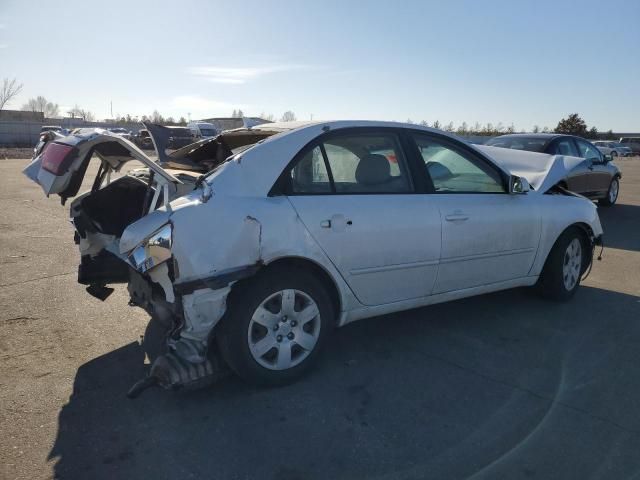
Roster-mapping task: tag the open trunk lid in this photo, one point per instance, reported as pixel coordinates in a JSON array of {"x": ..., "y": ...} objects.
[{"x": 59, "y": 165}]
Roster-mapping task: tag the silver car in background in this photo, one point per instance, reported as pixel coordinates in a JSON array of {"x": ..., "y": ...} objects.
[{"x": 614, "y": 149}]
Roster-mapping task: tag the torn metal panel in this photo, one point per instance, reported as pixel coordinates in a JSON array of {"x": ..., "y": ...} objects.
[{"x": 203, "y": 309}]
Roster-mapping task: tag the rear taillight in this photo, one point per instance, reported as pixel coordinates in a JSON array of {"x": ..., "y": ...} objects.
[{"x": 56, "y": 158}]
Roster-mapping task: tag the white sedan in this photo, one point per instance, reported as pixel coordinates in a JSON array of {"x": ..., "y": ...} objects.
[{"x": 309, "y": 226}]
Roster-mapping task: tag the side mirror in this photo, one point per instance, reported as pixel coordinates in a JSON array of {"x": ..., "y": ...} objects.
[
  {"x": 607, "y": 157},
  {"x": 518, "y": 185}
]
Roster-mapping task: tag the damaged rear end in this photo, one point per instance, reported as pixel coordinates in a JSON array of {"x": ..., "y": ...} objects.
[
  {"x": 124, "y": 231},
  {"x": 101, "y": 215}
]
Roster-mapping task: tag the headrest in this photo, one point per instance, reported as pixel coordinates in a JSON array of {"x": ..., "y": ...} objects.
[{"x": 373, "y": 169}]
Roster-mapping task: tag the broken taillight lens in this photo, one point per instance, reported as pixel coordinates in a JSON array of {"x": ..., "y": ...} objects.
[{"x": 56, "y": 158}]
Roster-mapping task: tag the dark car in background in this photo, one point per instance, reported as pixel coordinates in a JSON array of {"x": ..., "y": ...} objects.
[
  {"x": 143, "y": 139},
  {"x": 598, "y": 178},
  {"x": 179, "y": 137}
]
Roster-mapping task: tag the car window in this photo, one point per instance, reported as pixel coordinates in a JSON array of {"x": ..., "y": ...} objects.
[
  {"x": 454, "y": 171},
  {"x": 310, "y": 174},
  {"x": 353, "y": 163},
  {"x": 587, "y": 150},
  {"x": 564, "y": 146}
]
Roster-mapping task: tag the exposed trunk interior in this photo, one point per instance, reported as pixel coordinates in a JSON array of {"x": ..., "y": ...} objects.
[{"x": 113, "y": 208}]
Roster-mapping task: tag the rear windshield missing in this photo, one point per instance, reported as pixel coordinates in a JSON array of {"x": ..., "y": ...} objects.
[{"x": 531, "y": 144}]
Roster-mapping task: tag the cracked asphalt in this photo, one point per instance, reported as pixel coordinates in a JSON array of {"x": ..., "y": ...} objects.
[{"x": 499, "y": 386}]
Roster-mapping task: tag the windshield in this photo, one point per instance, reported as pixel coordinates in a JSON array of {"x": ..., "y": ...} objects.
[
  {"x": 530, "y": 144},
  {"x": 208, "y": 132}
]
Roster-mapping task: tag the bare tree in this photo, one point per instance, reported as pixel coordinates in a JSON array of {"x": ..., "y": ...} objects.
[
  {"x": 10, "y": 89},
  {"x": 41, "y": 104},
  {"x": 157, "y": 118},
  {"x": 288, "y": 116},
  {"x": 78, "y": 112},
  {"x": 268, "y": 116}
]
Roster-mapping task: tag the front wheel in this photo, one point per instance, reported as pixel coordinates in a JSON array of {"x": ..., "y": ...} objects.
[
  {"x": 565, "y": 264},
  {"x": 275, "y": 326},
  {"x": 612, "y": 194}
]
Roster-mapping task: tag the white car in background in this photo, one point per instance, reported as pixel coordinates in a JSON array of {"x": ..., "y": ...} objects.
[
  {"x": 614, "y": 149},
  {"x": 314, "y": 226},
  {"x": 122, "y": 132},
  {"x": 202, "y": 129}
]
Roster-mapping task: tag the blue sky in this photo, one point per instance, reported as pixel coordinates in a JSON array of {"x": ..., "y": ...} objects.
[{"x": 521, "y": 62}]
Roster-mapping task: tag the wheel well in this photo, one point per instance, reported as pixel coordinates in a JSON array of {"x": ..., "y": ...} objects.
[{"x": 318, "y": 271}]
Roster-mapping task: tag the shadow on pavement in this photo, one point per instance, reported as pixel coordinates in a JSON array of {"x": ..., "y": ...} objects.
[
  {"x": 505, "y": 385},
  {"x": 621, "y": 225}
]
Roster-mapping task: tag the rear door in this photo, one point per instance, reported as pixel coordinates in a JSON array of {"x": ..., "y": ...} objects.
[
  {"x": 488, "y": 235},
  {"x": 354, "y": 193}
]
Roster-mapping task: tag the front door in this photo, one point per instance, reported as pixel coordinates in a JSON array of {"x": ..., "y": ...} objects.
[
  {"x": 488, "y": 235},
  {"x": 598, "y": 177}
]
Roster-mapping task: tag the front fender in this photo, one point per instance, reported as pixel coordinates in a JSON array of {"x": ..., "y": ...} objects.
[{"x": 560, "y": 212}]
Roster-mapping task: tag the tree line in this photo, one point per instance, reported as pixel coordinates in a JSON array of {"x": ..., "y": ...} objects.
[{"x": 573, "y": 124}]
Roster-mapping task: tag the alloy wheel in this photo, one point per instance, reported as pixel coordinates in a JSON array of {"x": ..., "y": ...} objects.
[
  {"x": 572, "y": 264},
  {"x": 284, "y": 329}
]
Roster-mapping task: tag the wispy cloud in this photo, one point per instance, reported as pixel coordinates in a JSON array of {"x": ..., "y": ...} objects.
[
  {"x": 195, "y": 103},
  {"x": 4, "y": 45},
  {"x": 240, "y": 75}
]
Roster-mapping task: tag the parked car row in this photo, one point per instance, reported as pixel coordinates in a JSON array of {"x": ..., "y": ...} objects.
[{"x": 300, "y": 227}]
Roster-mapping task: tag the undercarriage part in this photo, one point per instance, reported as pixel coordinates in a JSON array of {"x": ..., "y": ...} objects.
[
  {"x": 172, "y": 373},
  {"x": 102, "y": 269},
  {"x": 192, "y": 351},
  {"x": 99, "y": 291}
]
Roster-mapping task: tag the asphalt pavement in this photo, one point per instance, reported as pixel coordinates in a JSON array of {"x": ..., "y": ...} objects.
[{"x": 505, "y": 385}]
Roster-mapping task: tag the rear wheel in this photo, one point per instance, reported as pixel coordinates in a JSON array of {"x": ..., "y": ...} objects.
[
  {"x": 565, "y": 264},
  {"x": 275, "y": 326},
  {"x": 612, "y": 194},
  {"x": 614, "y": 153}
]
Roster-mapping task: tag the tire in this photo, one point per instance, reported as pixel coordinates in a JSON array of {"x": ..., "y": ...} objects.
[
  {"x": 612, "y": 193},
  {"x": 614, "y": 154},
  {"x": 563, "y": 269},
  {"x": 258, "y": 353}
]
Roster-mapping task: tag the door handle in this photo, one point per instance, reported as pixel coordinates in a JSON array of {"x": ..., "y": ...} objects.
[
  {"x": 456, "y": 217},
  {"x": 325, "y": 223}
]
